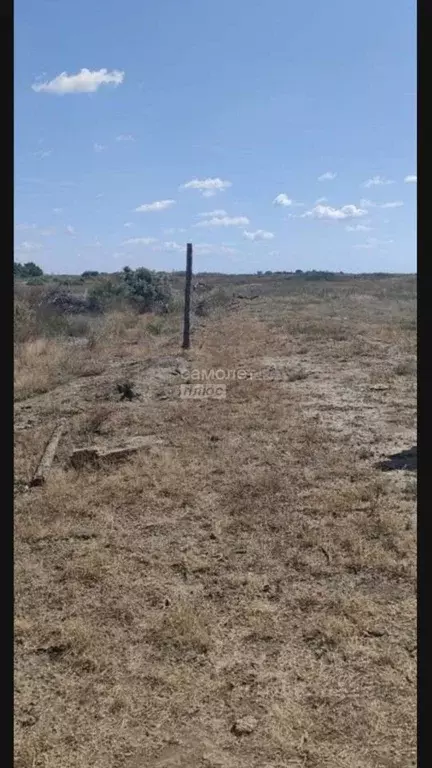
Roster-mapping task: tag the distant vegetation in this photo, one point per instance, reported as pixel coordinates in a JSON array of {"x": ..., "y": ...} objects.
[{"x": 30, "y": 269}]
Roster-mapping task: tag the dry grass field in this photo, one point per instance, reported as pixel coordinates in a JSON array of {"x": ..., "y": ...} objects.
[{"x": 241, "y": 593}]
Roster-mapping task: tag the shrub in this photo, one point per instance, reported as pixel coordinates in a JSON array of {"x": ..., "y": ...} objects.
[
  {"x": 90, "y": 273},
  {"x": 148, "y": 291},
  {"x": 105, "y": 295},
  {"x": 155, "y": 327},
  {"x": 24, "y": 321},
  {"x": 202, "y": 309},
  {"x": 60, "y": 301}
]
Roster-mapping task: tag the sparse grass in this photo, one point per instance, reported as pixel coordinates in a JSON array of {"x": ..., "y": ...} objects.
[
  {"x": 255, "y": 564},
  {"x": 44, "y": 364}
]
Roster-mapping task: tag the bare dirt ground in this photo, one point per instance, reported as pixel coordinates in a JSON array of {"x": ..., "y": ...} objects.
[{"x": 241, "y": 593}]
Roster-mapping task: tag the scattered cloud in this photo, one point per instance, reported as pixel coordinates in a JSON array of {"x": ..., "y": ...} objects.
[
  {"x": 207, "y": 187},
  {"x": 28, "y": 247},
  {"x": 357, "y": 228},
  {"x": 173, "y": 230},
  {"x": 224, "y": 221},
  {"x": 128, "y": 224},
  {"x": 24, "y": 227},
  {"x": 98, "y": 147},
  {"x": 125, "y": 137},
  {"x": 282, "y": 200},
  {"x": 373, "y": 242},
  {"x": 43, "y": 153},
  {"x": 328, "y": 213},
  {"x": 140, "y": 241},
  {"x": 367, "y": 203},
  {"x": 394, "y": 204},
  {"x": 327, "y": 176},
  {"x": 57, "y": 210},
  {"x": 172, "y": 246},
  {"x": 260, "y": 234},
  {"x": 320, "y": 200},
  {"x": 229, "y": 249},
  {"x": 86, "y": 81},
  {"x": 158, "y": 205},
  {"x": 70, "y": 229},
  {"x": 410, "y": 179},
  {"x": 377, "y": 181},
  {"x": 210, "y": 214},
  {"x": 47, "y": 232},
  {"x": 206, "y": 249}
]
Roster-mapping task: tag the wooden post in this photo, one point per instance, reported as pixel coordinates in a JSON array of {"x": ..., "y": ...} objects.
[
  {"x": 188, "y": 285},
  {"x": 47, "y": 459}
]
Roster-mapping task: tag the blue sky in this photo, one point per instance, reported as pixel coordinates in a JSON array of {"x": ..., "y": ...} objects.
[{"x": 217, "y": 120}]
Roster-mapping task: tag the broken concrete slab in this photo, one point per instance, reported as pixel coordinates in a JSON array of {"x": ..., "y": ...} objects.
[{"x": 96, "y": 456}]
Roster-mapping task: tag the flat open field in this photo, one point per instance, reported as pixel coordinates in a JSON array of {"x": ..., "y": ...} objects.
[{"x": 241, "y": 592}]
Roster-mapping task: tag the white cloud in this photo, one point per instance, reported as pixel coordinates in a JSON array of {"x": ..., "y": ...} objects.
[
  {"x": 125, "y": 137},
  {"x": 333, "y": 214},
  {"x": 367, "y": 203},
  {"x": 358, "y": 228},
  {"x": 376, "y": 181},
  {"x": 140, "y": 241},
  {"x": 394, "y": 204},
  {"x": 282, "y": 200},
  {"x": 85, "y": 81},
  {"x": 43, "y": 153},
  {"x": 260, "y": 234},
  {"x": 57, "y": 210},
  {"x": 224, "y": 221},
  {"x": 410, "y": 179},
  {"x": 47, "y": 232},
  {"x": 128, "y": 224},
  {"x": 327, "y": 176},
  {"x": 227, "y": 249},
  {"x": 372, "y": 243},
  {"x": 172, "y": 246},
  {"x": 27, "y": 246},
  {"x": 320, "y": 200},
  {"x": 207, "y": 187},
  {"x": 98, "y": 147},
  {"x": 208, "y": 214},
  {"x": 70, "y": 229},
  {"x": 205, "y": 249},
  {"x": 24, "y": 227},
  {"x": 158, "y": 205}
]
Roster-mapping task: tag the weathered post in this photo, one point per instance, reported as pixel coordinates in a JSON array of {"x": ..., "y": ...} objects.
[{"x": 188, "y": 285}]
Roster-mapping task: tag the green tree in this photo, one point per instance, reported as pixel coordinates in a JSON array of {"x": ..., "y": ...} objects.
[{"x": 30, "y": 269}]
